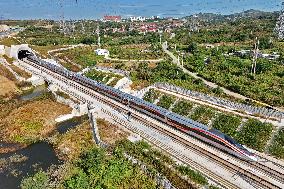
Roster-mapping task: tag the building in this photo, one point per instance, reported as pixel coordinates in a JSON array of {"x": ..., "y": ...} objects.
[
  {"x": 109, "y": 18},
  {"x": 177, "y": 24},
  {"x": 102, "y": 52},
  {"x": 4, "y": 28},
  {"x": 149, "y": 27},
  {"x": 137, "y": 19}
]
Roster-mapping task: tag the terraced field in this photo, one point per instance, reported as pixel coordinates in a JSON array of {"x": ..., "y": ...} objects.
[{"x": 252, "y": 132}]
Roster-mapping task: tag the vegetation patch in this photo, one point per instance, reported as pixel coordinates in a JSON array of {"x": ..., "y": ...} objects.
[
  {"x": 7, "y": 88},
  {"x": 6, "y": 73},
  {"x": 8, "y": 41},
  {"x": 151, "y": 95},
  {"x": 96, "y": 168},
  {"x": 39, "y": 180},
  {"x": 20, "y": 72},
  {"x": 62, "y": 94},
  {"x": 182, "y": 107},
  {"x": 255, "y": 134},
  {"x": 277, "y": 146},
  {"x": 110, "y": 133},
  {"x": 114, "y": 81},
  {"x": 166, "y": 101},
  {"x": 43, "y": 50},
  {"x": 104, "y": 77},
  {"x": 31, "y": 121},
  {"x": 137, "y": 52},
  {"x": 193, "y": 175},
  {"x": 202, "y": 114},
  {"x": 71, "y": 144},
  {"x": 227, "y": 124},
  {"x": 83, "y": 56},
  {"x": 168, "y": 72},
  {"x": 158, "y": 162}
]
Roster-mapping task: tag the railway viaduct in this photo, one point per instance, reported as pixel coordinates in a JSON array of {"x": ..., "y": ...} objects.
[{"x": 99, "y": 106}]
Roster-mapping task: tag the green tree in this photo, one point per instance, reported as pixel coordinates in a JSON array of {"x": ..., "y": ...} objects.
[{"x": 39, "y": 181}]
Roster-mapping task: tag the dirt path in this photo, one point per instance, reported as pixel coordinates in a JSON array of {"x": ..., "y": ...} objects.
[
  {"x": 208, "y": 83},
  {"x": 126, "y": 60}
]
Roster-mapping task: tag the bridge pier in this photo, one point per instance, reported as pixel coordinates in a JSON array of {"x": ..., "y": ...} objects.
[{"x": 93, "y": 122}]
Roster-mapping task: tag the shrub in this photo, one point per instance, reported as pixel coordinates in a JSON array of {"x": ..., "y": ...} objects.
[
  {"x": 156, "y": 162},
  {"x": 182, "y": 107},
  {"x": 99, "y": 170},
  {"x": 38, "y": 181},
  {"x": 193, "y": 175},
  {"x": 227, "y": 124},
  {"x": 151, "y": 95},
  {"x": 166, "y": 101},
  {"x": 255, "y": 134},
  {"x": 114, "y": 81},
  {"x": 276, "y": 148},
  {"x": 202, "y": 114}
]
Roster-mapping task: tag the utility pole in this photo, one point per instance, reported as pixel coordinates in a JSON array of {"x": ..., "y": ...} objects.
[
  {"x": 160, "y": 33},
  {"x": 182, "y": 55},
  {"x": 98, "y": 33},
  {"x": 255, "y": 56},
  {"x": 83, "y": 27},
  {"x": 62, "y": 18}
]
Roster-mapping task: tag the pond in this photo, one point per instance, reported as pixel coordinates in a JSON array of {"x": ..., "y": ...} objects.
[
  {"x": 14, "y": 166},
  {"x": 39, "y": 155},
  {"x": 36, "y": 156},
  {"x": 64, "y": 126},
  {"x": 37, "y": 91}
]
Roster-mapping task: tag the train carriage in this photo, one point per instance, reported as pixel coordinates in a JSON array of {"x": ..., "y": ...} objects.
[{"x": 183, "y": 124}]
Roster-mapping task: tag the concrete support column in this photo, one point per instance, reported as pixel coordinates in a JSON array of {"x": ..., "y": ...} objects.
[{"x": 93, "y": 122}]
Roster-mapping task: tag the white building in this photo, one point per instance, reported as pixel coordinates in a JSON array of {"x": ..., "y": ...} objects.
[
  {"x": 4, "y": 28},
  {"x": 138, "y": 18},
  {"x": 102, "y": 52}
]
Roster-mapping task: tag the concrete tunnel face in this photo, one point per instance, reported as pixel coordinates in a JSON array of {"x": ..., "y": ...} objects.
[{"x": 23, "y": 54}]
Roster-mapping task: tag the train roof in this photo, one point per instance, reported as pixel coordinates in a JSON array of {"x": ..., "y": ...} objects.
[{"x": 184, "y": 120}]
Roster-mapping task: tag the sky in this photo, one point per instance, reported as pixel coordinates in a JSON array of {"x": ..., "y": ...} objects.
[{"x": 93, "y": 9}]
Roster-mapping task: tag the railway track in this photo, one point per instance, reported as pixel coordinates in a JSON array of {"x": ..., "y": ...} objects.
[{"x": 189, "y": 145}]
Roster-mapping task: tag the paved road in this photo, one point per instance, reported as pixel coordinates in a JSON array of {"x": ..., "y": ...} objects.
[{"x": 208, "y": 83}]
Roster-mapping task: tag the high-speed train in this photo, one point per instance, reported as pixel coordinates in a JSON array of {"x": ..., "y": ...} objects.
[{"x": 183, "y": 124}]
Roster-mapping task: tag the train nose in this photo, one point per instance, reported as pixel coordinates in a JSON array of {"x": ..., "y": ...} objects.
[{"x": 253, "y": 157}]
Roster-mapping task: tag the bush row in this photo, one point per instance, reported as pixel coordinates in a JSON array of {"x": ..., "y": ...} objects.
[
  {"x": 166, "y": 101},
  {"x": 227, "y": 124},
  {"x": 151, "y": 95},
  {"x": 277, "y": 147},
  {"x": 182, "y": 107},
  {"x": 255, "y": 134},
  {"x": 202, "y": 114}
]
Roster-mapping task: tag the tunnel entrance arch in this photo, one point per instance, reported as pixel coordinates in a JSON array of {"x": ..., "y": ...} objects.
[
  {"x": 20, "y": 51},
  {"x": 23, "y": 54}
]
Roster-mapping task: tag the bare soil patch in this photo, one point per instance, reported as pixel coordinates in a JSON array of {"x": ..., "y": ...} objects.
[
  {"x": 110, "y": 133},
  {"x": 32, "y": 121},
  {"x": 71, "y": 144},
  {"x": 7, "y": 87}
]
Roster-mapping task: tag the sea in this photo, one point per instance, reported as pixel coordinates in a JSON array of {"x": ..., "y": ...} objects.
[{"x": 96, "y": 9}]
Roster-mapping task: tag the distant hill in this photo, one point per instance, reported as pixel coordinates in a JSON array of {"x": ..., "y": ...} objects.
[{"x": 246, "y": 14}]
